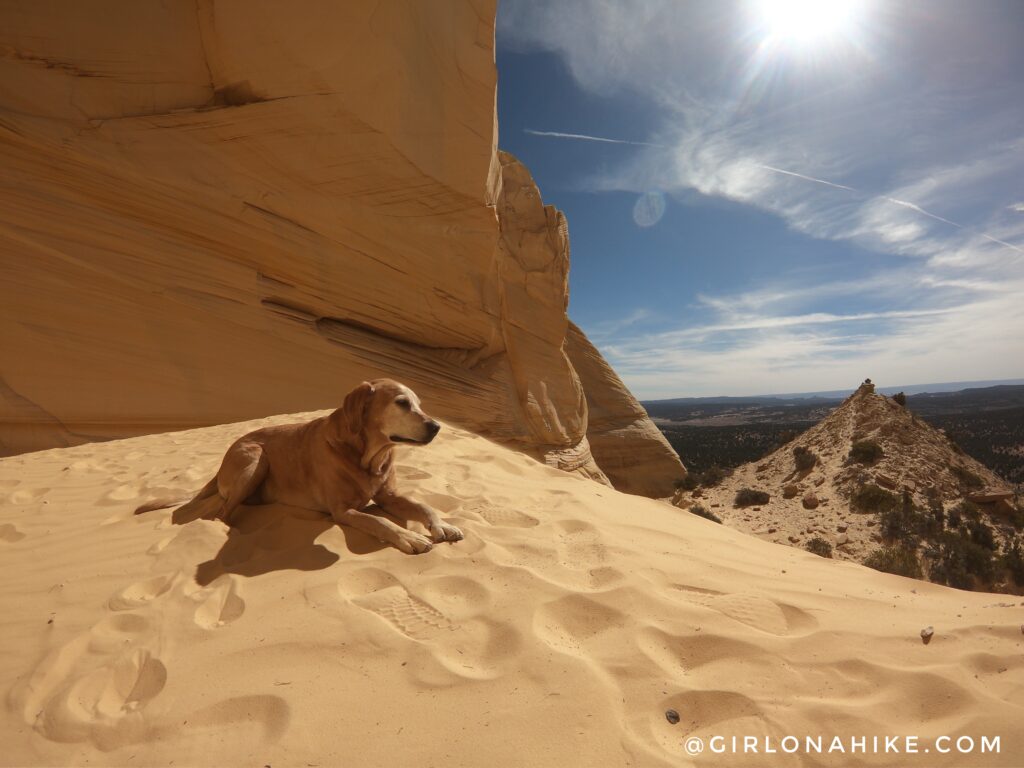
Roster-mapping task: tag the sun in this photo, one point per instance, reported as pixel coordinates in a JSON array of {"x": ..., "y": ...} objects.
[{"x": 807, "y": 21}]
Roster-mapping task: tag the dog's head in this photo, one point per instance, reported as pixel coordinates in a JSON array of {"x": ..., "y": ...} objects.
[{"x": 387, "y": 412}]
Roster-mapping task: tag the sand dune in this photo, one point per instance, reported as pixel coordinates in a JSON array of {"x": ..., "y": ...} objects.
[{"x": 557, "y": 633}]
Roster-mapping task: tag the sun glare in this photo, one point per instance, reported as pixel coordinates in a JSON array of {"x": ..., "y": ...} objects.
[{"x": 807, "y": 21}]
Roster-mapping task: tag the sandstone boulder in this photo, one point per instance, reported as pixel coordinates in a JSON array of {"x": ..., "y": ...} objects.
[{"x": 990, "y": 496}]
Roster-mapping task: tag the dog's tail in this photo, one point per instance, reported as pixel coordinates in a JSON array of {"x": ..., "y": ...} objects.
[{"x": 208, "y": 490}]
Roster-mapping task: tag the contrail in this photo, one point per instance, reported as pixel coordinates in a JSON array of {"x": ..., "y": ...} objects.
[
  {"x": 892, "y": 200},
  {"x": 1002, "y": 242},
  {"x": 584, "y": 137},
  {"x": 922, "y": 211},
  {"x": 805, "y": 178}
]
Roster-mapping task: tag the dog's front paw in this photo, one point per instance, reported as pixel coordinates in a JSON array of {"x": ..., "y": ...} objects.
[
  {"x": 413, "y": 543},
  {"x": 445, "y": 532}
]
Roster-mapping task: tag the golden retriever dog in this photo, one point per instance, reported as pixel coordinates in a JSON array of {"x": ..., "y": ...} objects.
[{"x": 337, "y": 464}]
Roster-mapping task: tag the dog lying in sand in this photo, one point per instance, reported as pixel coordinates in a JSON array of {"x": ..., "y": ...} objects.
[{"x": 337, "y": 464}]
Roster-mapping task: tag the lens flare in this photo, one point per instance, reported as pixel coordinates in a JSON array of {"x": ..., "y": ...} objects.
[{"x": 649, "y": 208}]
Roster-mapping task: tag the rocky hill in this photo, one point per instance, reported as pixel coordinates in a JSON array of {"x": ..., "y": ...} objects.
[
  {"x": 216, "y": 211},
  {"x": 871, "y": 476}
]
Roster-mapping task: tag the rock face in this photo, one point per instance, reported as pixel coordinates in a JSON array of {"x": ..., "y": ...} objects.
[
  {"x": 216, "y": 211},
  {"x": 624, "y": 441}
]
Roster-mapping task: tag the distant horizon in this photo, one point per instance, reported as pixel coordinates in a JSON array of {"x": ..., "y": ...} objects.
[{"x": 910, "y": 389}]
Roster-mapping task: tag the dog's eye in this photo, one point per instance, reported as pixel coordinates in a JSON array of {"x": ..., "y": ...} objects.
[{"x": 403, "y": 401}]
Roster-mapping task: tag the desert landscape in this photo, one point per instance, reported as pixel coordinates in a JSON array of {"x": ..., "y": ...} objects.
[
  {"x": 222, "y": 216},
  {"x": 559, "y": 632}
]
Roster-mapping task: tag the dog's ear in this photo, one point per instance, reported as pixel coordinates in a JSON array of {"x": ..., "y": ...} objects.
[{"x": 355, "y": 405}]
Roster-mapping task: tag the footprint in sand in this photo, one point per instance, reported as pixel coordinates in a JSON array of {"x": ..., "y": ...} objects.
[
  {"x": 140, "y": 593},
  {"x": 700, "y": 709},
  {"x": 221, "y": 603},
  {"x": 95, "y": 686},
  {"x": 10, "y": 533},
  {"x": 482, "y": 649},
  {"x": 441, "y": 502},
  {"x": 507, "y": 518},
  {"x": 28, "y": 495},
  {"x": 381, "y": 593},
  {"x": 580, "y": 545},
  {"x": 457, "y": 597},
  {"x": 753, "y": 610},
  {"x": 572, "y": 622},
  {"x": 120, "y": 493}
]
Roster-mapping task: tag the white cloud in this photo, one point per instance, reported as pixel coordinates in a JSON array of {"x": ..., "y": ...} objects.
[{"x": 928, "y": 174}]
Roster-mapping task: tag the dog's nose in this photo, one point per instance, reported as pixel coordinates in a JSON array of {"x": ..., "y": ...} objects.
[{"x": 433, "y": 428}]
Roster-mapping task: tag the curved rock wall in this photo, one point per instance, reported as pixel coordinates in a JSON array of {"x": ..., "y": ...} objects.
[{"x": 218, "y": 210}]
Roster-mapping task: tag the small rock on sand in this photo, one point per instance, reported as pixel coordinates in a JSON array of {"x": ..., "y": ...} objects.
[
  {"x": 926, "y": 635},
  {"x": 672, "y": 716}
]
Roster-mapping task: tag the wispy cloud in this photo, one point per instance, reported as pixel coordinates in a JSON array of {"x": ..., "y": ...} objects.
[{"x": 841, "y": 149}]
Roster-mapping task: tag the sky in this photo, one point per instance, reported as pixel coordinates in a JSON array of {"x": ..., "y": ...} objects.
[{"x": 775, "y": 195}]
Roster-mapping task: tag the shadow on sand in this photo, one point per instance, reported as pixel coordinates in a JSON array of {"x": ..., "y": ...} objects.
[{"x": 275, "y": 537}]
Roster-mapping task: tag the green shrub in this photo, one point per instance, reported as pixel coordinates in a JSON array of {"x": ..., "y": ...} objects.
[
  {"x": 965, "y": 477},
  {"x": 866, "y": 451},
  {"x": 1017, "y": 518},
  {"x": 707, "y": 514},
  {"x": 935, "y": 508},
  {"x": 897, "y": 560},
  {"x": 956, "y": 559},
  {"x": 747, "y": 497},
  {"x": 870, "y": 498},
  {"x": 900, "y": 399},
  {"x": 905, "y": 524},
  {"x": 819, "y": 546},
  {"x": 981, "y": 534},
  {"x": 687, "y": 483},
  {"x": 805, "y": 458},
  {"x": 713, "y": 475},
  {"x": 1012, "y": 560},
  {"x": 709, "y": 478}
]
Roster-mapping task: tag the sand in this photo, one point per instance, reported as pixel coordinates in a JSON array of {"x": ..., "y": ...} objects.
[{"x": 557, "y": 633}]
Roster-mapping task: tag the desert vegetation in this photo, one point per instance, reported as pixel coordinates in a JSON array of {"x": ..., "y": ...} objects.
[
  {"x": 866, "y": 452},
  {"x": 748, "y": 497},
  {"x": 819, "y": 546},
  {"x": 804, "y": 458},
  {"x": 701, "y": 511}
]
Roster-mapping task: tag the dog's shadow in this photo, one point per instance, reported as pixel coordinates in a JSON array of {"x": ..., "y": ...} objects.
[{"x": 275, "y": 537}]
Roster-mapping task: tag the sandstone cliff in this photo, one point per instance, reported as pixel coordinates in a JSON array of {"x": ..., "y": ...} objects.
[{"x": 218, "y": 210}]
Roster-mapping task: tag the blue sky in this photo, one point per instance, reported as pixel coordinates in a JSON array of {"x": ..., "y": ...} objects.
[{"x": 763, "y": 200}]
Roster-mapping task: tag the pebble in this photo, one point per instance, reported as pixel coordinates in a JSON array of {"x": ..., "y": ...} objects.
[
  {"x": 926, "y": 635},
  {"x": 672, "y": 716}
]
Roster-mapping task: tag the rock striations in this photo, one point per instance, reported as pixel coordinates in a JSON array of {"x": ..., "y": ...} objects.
[{"x": 215, "y": 211}]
